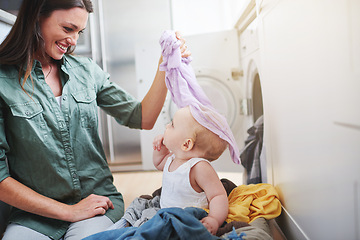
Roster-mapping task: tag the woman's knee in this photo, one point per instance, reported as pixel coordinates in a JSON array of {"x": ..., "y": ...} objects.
[
  {"x": 16, "y": 231},
  {"x": 85, "y": 228}
]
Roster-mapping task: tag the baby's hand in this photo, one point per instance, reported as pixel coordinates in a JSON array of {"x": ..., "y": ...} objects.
[
  {"x": 211, "y": 224},
  {"x": 158, "y": 142}
]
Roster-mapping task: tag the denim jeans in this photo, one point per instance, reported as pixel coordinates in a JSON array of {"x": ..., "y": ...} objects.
[{"x": 168, "y": 223}]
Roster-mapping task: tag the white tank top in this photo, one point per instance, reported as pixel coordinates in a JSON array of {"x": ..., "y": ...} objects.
[
  {"x": 176, "y": 188},
  {"x": 58, "y": 99}
]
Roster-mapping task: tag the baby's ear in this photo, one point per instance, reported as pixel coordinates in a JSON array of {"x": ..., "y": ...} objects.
[{"x": 187, "y": 145}]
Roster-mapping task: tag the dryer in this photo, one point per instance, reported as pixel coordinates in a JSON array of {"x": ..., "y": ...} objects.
[{"x": 216, "y": 63}]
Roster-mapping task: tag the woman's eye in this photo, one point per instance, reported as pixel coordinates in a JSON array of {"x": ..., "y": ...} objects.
[{"x": 68, "y": 29}]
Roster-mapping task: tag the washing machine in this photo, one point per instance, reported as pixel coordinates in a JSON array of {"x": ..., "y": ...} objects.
[
  {"x": 216, "y": 63},
  {"x": 250, "y": 62}
]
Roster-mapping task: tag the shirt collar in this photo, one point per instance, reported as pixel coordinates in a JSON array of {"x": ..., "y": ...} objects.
[{"x": 62, "y": 61}]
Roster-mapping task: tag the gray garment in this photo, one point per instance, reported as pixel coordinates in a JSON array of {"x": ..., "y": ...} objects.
[
  {"x": 16, "y": 231},
  {"x": 141, "y": 210},
  {"x": 259, "y": 230},
  {"x": 76, "y": 231},
  {"x": 250, "y": 154}
]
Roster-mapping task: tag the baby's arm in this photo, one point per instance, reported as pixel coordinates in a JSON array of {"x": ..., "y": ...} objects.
[
  {"x": 160, "y": 153},
  {"x": 208, "y": 180}
]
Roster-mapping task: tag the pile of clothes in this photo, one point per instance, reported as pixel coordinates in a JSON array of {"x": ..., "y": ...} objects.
[{"x": 250, "y": 206}]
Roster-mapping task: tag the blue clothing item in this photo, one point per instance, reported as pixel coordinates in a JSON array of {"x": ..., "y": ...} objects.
[
  {"x": 168, "y": 223},
  {"x": 234, "y": 236}
]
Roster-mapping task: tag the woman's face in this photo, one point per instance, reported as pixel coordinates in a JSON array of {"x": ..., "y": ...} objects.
[{"x": 61, "y": 30}]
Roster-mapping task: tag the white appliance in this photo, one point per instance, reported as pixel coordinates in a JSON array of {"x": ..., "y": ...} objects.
[
  {"x": 308, "y": 61},
  {"x": 216, "y": 64},
  {"x": 6, "y": 22},
  {"x": 302, "y": 58}
]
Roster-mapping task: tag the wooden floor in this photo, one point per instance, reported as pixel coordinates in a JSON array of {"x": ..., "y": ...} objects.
[{"x": 134, "y": 184}]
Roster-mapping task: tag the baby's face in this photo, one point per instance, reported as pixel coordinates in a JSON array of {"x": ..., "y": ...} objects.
[{"x": 179, "y": 129}]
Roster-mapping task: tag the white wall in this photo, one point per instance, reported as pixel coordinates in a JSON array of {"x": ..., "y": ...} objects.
[{"x": 202, "y": 16}]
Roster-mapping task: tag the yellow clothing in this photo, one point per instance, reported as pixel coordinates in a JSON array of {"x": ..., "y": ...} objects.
[{"x": 249, "y": 202}]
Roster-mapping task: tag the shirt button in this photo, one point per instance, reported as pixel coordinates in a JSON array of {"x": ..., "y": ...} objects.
[
  {"x": 27, "y": 113},
  {"x": 68, "y": 150},
  {"x": 64, "y": 98},
  {"x": 74, "y": 175}
]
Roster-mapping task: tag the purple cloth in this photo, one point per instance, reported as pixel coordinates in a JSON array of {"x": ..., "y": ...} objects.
[{"x": 185, "y": 91}]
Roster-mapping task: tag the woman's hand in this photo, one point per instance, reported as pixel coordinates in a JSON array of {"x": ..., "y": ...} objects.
[
  {"x": 23, "y": 197},
  {"x": 211, "y": 224},
  {"x": 155, "y": 97},
  {"x": 183, "y": 47},
  {"x": 89, "y": 207}
]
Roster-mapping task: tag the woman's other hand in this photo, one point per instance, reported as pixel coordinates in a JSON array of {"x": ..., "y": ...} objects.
[{"x": 90, "y": 206}]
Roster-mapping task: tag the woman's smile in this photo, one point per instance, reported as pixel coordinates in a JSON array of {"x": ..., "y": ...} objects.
[{"x": 63, "y": 48}]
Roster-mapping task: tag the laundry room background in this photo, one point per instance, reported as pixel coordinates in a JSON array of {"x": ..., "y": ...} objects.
[
  {"x": 114, "y": 31},
  {"x": 125, "y": 28},
  {"x": 295, "y": 62}
]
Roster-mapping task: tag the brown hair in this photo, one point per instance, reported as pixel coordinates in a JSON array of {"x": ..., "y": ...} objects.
[{"x": 25, "y": 38}]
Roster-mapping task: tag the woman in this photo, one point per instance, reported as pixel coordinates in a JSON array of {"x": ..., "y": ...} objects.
[{"x": 57, "y": 178}]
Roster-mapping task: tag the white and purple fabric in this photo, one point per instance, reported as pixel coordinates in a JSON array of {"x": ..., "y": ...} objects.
[{"x": 185, "y": 91}]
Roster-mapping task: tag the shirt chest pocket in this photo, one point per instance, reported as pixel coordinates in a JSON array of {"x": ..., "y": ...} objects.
[
  {"x": 28, "y": 118},
  {"x": 87, "y": 107},
  {"x": 27, "y": 110}
]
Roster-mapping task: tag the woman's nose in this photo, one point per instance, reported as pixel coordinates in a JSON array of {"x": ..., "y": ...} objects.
[{"x": 72, "y": 40}]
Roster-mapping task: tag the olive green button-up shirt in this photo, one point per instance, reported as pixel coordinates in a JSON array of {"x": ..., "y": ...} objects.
[{"x": 55, "y": 149}]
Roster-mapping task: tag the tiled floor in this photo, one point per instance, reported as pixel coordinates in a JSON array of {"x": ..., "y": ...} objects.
[{"x": 134, "y": 184}]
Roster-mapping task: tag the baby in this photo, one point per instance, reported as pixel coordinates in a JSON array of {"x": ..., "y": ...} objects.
[{"x": 184, "y": 153}]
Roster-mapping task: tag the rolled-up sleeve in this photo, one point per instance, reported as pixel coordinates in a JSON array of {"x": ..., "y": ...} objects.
[
  {"x": 4, "y": 170},
  {"x": 116, "y": 102}
]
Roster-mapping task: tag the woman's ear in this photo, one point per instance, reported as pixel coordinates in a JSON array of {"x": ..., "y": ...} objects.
[{"x": 187, "y": 145}]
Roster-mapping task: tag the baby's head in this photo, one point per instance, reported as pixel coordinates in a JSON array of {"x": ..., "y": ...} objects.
[{"x": 185, "y": 135}]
